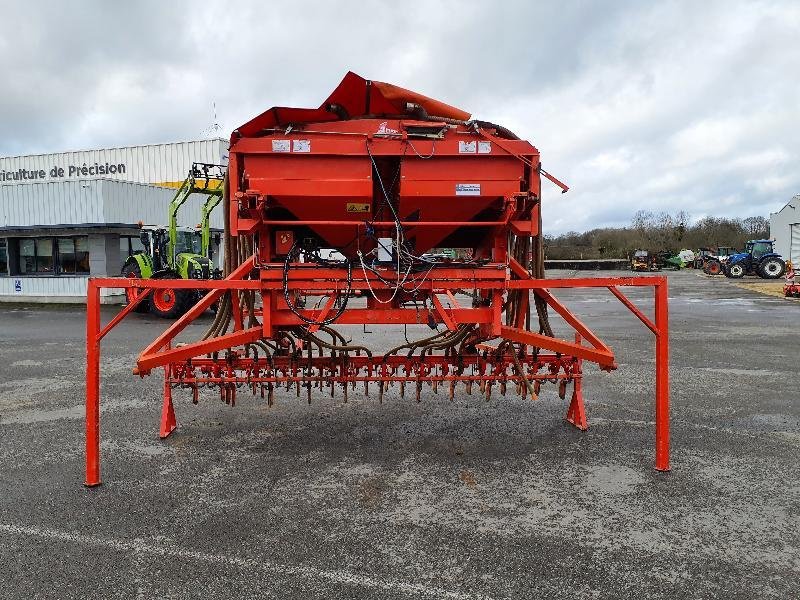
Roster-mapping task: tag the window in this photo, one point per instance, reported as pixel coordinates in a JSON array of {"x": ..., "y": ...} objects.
[
  {"x": 73, "y": 255},
  {"x": 53, "y": 256},
  {"x": 44, "y": 255},
  {"x": 188, "y": 241},
  {"x": 761, "y": 248},
  {"x": 27, "y": 256},
  {"x": 82, "y": 255},
  {"x": 3, "y": 257},
  {"x": 128, "y": 246},
  {"x": 66, "y": 254}
]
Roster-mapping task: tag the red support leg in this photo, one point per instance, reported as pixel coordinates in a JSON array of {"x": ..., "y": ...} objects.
[
  {"x": 576, "y": 413},
  {"x": 662, "y": 377},
  {"x": 92, "y": 385},
  {"x": 168, "y": 422}
]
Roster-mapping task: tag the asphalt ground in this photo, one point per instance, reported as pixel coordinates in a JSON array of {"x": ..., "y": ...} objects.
[{"x": 437, "y": 499}]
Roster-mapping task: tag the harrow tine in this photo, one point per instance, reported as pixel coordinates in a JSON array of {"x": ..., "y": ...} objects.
[
  {"x": 452, "y": 389},
  {"x": 402, "y": 389},
  {"x": 380, "y": 392},
  {"x": 562, "y": 389}
]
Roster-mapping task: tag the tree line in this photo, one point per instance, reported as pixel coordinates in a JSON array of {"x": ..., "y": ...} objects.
[{"x": 655, "y": 232}]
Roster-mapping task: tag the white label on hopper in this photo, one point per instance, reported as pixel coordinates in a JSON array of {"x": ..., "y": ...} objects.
[
  {"x": 280, "y": 145},
  {"x": 484, "y": 147},
  {"x": 301, "y": 145},
  {"x": 467, "y": 147},
  {"x": 468, "y": 189}
]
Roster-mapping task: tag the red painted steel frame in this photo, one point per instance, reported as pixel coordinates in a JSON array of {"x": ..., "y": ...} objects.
[{"x": 161, "y": 354}]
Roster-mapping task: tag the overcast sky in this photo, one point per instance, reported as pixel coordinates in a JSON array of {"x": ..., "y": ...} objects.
[{"x": 668, "y": 106}]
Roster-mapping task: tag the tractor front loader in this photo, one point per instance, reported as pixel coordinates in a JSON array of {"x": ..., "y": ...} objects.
[{"x": 174, "y": 252}]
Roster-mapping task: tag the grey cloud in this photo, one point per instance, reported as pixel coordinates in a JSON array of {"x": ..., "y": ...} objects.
[{"x": 669, "y": 106}]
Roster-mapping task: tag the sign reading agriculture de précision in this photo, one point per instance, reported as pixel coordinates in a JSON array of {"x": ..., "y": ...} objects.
[{"x": 66, "y": 172}]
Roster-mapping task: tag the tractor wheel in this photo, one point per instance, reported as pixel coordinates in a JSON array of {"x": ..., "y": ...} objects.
[
  {"x": 170, "y": 303},
  {"x": 771, "y": 268},
  {"x": 132, "y": 271},
  {"x": 712, "y": 267},
  {"x": 734, "y": 271}
]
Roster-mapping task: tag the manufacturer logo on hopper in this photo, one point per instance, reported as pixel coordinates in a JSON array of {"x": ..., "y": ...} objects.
[{"x": 384, "y": 129}]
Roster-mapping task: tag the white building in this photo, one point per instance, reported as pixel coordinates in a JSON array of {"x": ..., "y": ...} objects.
[
  {"x": 66, "y": 216},
  {"x": 784, "y": 228}
]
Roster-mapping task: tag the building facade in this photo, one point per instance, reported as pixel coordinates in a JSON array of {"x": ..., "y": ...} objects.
[
  {"x": 784, "y": 228},
  {"x": 71, "y": 215}
]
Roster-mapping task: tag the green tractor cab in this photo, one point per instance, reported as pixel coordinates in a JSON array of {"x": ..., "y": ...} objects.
[{"x": 174, "y": 252}]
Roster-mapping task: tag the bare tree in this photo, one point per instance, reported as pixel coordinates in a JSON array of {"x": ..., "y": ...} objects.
[{"x": 757, "y": 227}]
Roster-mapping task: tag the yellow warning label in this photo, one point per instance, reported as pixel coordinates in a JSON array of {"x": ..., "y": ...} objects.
[{"x": 358, "y": 207}]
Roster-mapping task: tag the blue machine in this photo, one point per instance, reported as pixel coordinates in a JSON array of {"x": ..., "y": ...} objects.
[{"x": 758, "y": 258}]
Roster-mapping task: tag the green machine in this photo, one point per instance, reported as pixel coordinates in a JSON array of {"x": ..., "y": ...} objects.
[{"x": 174, "y": 252}]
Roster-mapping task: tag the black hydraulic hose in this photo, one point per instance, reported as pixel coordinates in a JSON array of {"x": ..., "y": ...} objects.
[
  {"x": 447, "y": 343},
  {"x": 322, "y": 343},
  {"x": 334, "y": 334},
  {"x": 413, "y": 345},
  {"x": 298, "y": 314}
]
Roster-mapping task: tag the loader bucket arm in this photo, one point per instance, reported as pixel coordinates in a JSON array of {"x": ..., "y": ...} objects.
[
  {"x": 181, "y": 196},
  {"x": 205, "y": 220},
  {"x": 203, "y": 178}
]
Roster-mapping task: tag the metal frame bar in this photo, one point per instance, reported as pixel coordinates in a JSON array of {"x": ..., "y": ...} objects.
[{"x": 161, "y": 354}]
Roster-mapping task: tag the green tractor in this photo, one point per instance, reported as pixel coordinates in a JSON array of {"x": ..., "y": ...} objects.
[{"x": 175, "y": 252}]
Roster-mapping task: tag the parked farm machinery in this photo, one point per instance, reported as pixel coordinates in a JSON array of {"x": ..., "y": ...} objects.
[
  {"x": 758, "y": 258},
  {"x": 643, "y": 261},
  {"x": 173, "y": 252},
  {"x": 791, "y": 288},
  {"x": 330, "y": 218},
  {"x": 713, "y": 264}
]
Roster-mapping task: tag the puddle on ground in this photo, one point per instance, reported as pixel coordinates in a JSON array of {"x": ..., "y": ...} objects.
[
  {"x": 612, "y": 479},
  {"x": 71, "y": 412},
  {"x": 742, "y": 372},
  {"x": 26, "y": 363},
  {"x": 718, "y": 301},
  {"x": 39, "y": 416}
]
